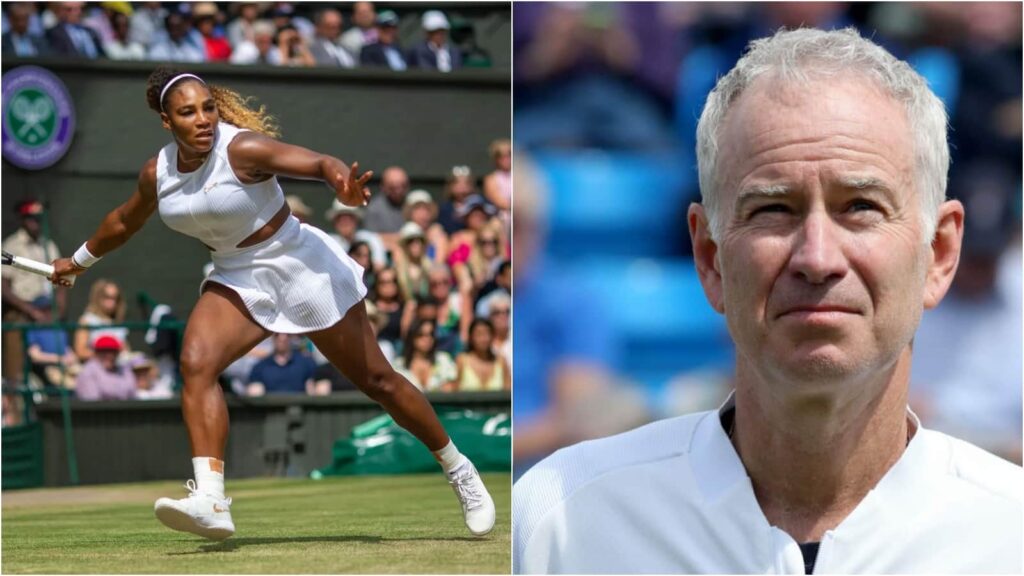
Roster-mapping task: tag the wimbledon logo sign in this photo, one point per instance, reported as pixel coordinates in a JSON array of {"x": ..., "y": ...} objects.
[{"x": 38, "y": 118}]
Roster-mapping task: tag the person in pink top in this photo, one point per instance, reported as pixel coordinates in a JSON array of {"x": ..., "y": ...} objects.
[{"x": 101, "y": 378}]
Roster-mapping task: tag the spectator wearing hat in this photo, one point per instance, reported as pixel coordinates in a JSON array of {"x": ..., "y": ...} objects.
[
  {"x": 411, "y": 261},
  {"x": 435, "y": 52},
  {"x": 385, "y": 52},
  {"x": 69, "y": 37},
  {"x": 49, "y": 349},
  {"x": 178, "y": 46},
  {"x": 261, "y": 49},
  {"x": 497, "y": 308},
  {"x": 347, "y": 223},
  {"x": 20, "y": 288},
  {"x": 476, "y": 215},
  {"x": 364, "y": 31},
  {"x": 459, "y": 186},
  {"x": 19, "y": 40},
  {"x": 101, "y": 377},
  {"x": 325, "y": 47},
  {"x": 100, "y": 19},
  {"x": 454, "y": 311},
  {"x": 420, "y": 208},
  {"x": 205, "y": 18},
  {"x": 122, "y": 47},
  {"x": 384, "y": 214},
  {"x": 299, "y": 208},
  {"x": 283, "y": 372},
  {"x": 149, "y": 383}
]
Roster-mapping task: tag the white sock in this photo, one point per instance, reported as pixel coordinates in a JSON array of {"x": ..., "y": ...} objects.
[
  {"x": 449, "y": 457},
  {"x": 209, "y": 475}
]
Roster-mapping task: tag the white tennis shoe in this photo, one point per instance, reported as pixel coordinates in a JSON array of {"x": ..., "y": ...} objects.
[
  {"x": 477, "y": 505},
  {"x": 198, "y": 513}
]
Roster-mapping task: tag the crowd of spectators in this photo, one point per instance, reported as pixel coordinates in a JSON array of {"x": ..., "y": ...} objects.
[
  {"x": 439, "y": 297},
  {"x": 268, "y": 33},
  {"x": 439, "y": 293}
]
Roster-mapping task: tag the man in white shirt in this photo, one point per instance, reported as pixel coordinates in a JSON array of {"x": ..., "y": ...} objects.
[{"x": 822, "y": 236}]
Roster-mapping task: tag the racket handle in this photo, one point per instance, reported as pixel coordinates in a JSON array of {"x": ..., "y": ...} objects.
[
  {"x": 32, "y": 266},
  {"x": 35, "y": 267}
]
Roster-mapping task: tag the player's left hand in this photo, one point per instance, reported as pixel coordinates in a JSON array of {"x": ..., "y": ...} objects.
[{"x": 352, "y": 191}]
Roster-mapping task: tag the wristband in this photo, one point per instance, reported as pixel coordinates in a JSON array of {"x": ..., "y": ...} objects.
[{"x": 83, "y": 258}]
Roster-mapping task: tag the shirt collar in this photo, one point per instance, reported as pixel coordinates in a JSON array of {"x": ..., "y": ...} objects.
[{"x": 717, "y": 467}]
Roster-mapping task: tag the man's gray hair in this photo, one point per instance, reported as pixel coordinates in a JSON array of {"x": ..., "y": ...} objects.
[{"x": 802, "y": 54}]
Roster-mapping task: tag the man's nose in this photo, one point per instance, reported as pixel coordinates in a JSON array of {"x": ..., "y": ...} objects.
[{"x": 817, "y": 251}]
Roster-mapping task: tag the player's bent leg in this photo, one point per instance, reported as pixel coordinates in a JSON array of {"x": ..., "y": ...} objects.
[
  {"x": 352, "y": 347},
  {"x": 219, "y": 332}
]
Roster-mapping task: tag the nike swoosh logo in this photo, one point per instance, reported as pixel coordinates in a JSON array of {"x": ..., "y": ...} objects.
[{"x": 217, "y": 508}]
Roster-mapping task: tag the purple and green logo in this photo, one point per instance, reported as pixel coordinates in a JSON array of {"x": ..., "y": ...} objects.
[{"x": 38, "y": 118}]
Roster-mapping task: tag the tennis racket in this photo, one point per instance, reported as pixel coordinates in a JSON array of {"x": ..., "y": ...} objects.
[{"x": 29, "y": 265}]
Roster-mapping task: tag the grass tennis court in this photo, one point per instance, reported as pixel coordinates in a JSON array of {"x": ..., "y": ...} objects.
[{"x": 380, "y": 524}]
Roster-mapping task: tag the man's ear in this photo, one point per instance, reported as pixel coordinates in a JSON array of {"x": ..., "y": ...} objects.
[
  {"x": 945, "y": 252},
  {"x": 705, "y": 256}
]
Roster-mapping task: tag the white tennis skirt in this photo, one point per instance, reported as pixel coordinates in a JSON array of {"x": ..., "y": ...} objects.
[{"x": 299, "y": 280}]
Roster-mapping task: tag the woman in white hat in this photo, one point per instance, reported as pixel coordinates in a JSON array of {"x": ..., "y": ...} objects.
[
  {"x": 411, "y": 261},
  {"x": 420, "y": 208},
  {"x": 217, "y": 182}
]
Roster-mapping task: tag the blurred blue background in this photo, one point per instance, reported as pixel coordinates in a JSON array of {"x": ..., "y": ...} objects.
[{"x": 611, "y": 328}]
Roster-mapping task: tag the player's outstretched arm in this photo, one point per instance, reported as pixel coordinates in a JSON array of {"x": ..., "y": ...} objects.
[
  {"x": 118, "y": 226},
  {"x": 255, "y": 157}
]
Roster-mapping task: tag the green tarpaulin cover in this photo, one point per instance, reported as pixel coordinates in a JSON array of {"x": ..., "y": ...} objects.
[{"x": 380, "y": 446}]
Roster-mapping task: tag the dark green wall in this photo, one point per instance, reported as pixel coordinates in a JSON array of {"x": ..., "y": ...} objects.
[
  {"x": 135, "y": 441},
  {"x": 425, "y": 122}
]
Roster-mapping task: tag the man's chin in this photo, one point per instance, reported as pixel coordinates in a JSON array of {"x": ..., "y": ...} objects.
[{"x": 817, "y": 365}]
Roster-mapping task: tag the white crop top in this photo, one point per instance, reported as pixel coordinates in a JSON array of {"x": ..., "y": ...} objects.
[{"x": 210, "y": 203}]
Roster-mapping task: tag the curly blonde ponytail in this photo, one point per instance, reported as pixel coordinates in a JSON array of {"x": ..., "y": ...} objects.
[{"x": 234, "y": 109}]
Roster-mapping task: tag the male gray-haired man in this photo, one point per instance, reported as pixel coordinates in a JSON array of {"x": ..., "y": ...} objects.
[{"x": 822, "y": 236}]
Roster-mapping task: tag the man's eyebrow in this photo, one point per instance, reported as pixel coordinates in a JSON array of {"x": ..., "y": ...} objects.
[
  {"x": 761, "y": 190},
  {"x": 865, "y": 183}
]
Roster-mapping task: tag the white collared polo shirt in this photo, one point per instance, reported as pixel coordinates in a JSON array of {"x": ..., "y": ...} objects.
[{"x": 673, "y": 497}]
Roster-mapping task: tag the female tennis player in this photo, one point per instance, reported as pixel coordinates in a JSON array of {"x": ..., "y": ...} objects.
[{"x": 217, "y": 182}]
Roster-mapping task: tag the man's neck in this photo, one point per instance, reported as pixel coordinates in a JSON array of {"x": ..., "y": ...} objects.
[{"x": 813, "y": 459}]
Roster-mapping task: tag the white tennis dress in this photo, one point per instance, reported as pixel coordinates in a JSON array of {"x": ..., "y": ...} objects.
[{"x": 296, "y": 281}]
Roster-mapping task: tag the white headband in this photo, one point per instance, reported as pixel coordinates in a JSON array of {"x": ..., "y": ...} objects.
[{"x": 171, "y": 83}]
